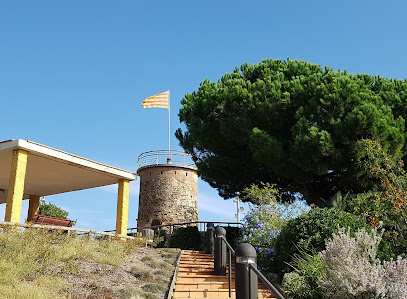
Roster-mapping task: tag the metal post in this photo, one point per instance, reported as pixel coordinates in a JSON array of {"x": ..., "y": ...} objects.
[
  {"x": 220, "y": 252},
  {"x": 246, "y": 283},
  {"x": 210, "y": 228}
]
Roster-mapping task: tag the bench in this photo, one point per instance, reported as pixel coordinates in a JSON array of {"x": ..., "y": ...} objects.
[{"x": 49, "y": 220}]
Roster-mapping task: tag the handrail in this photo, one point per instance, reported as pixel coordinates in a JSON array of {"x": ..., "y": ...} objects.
[
  {"x": 68, "y": 229},
  {"x": 231, "y": 251},
  {"x": 174, "y": 278},
  {"x": 179, "y": 224},
  {"x": 276, "y": 290},
  {"x": 228, "y": 245},
  {"x": 165, "y": 157}
]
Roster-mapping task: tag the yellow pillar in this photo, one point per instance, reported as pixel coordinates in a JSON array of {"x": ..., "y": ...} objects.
[
  {"x": 16, "y": 185},
  {"x": 122, "y": 207},
  {"x": 33, "y": 207}
]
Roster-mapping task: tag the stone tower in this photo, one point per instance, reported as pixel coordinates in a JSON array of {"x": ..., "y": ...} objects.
[{"x": 168, "y": 188}]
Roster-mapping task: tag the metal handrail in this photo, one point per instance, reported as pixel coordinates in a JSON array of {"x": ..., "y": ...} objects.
[
  {"x": 276, "y": 290},
  {"x": 179, "y": 224},
  {"x": 160, "y": 157},
  {"x": 231, "y": 251}
]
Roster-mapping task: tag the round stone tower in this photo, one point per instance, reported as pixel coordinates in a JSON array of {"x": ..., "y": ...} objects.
[{"x": 168, "y": 188}]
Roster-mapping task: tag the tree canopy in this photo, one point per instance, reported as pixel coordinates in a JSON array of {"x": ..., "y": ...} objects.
[
  {"x": 49, "y": 209},
  {"x": 293, "y": 124}
]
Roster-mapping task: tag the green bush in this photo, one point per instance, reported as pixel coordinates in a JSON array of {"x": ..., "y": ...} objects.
[
  {"x": 303, "y": 281},
  {"x": 186, "y": 238},
  {"x": 309, "y": 232},
  {"x": 49, "y": 209},
  {"x": 295, "y": 285},
  {"x": 160, "y": 238}
]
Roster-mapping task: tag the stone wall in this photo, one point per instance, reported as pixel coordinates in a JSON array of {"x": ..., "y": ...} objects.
[{"x": 168, "y": 193}]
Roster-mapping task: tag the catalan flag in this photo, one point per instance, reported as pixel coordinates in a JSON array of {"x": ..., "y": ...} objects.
[{"x": 157, "y": 101}]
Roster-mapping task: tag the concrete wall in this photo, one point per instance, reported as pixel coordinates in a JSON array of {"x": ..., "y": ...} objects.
[{"x": 168, "y": 193}]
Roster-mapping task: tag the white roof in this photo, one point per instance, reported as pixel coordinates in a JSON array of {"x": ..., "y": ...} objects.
[{"x": 52, "y": 171}]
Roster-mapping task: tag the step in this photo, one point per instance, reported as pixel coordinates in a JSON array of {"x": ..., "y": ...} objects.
[
  {"x": 209, "y": 285},
  {"x": 204, "y": 293},
  {"x": 202, "y": 278},
  {"x": 196, "y": 264}
]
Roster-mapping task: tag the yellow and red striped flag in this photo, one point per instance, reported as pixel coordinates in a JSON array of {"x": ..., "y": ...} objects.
[{"x": 157, "y": 101}]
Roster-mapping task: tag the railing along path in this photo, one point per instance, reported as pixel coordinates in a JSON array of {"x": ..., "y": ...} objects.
[{"x": 69, "y": 230}]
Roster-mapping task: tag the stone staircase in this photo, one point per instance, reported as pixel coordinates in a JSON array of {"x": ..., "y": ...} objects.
[{"x": 195, "y": 279}]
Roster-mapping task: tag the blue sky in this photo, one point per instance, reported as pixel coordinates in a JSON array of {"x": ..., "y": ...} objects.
[{"x": 73, "y": 73}]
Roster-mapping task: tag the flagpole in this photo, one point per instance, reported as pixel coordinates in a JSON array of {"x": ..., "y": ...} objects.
[{"x": 169, "y": 126}]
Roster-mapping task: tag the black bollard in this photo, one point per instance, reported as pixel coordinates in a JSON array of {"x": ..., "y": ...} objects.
[
  {"x": 246, "y": 283},
  {"x": 210, "y": 228},
  {"x": 220, "y": 252}
]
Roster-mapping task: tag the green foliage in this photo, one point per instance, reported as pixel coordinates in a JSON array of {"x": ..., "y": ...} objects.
[
  {"x": 303, "y": 281},
  {"x": 263, "y": 222},
  {"x": 49, "y": 209},
  {"x": 386, "y": 205},
  {"x": 309, "y": 232},
  {"x": 160, "y": 238},
  {"x": 186, "y": 238},
  {"x": 266, "y": 194},
  {"x": 291, "y": 123},
  {"x": 295, "y": 286}
]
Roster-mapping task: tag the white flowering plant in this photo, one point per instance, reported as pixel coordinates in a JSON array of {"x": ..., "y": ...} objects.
[{"x": 352, "y": 269}]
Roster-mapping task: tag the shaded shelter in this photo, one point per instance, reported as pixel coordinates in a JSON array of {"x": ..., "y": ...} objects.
[{"x": 29, "y": 170}]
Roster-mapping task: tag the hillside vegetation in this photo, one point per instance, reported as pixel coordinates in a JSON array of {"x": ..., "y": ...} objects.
[{"x": 40, "y": 264}]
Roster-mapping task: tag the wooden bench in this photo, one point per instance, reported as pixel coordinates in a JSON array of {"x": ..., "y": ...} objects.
[{"x": 49, "y": 220}]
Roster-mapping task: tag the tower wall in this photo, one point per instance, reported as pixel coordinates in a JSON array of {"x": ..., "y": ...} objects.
[{"x": 168, "y": 193}]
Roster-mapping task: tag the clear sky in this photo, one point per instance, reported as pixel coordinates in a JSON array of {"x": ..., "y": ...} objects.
[{"x": 73, "y": 73}]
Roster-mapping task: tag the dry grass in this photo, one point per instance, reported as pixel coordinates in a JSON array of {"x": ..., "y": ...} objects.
[{"x": 40, "y": 264}]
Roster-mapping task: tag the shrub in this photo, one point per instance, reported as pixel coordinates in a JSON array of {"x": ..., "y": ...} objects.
[
  {"x": 309, "y": 232},
  {"x": 186, "y": 238},
  {"x": 261, "y": 226},
  {"x": 49, "y": 209},
  {"x": 303, "y": 282},
  {"x": 353, "y": 271},
  {"x": 295, "y": 285},
  {"x": 386, "y": 205},
  {"x": 264, "y": 221},
  {"x": 160, "y": 238}
]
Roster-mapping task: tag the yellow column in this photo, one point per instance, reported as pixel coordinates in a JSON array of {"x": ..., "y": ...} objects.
[
  {"x": 16, "y": 185},
  {"x": 122, "y": 207},
  {"x": 33, "y": 207}
]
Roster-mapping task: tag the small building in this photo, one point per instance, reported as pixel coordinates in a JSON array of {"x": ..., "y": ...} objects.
[{"x": 29, "y": 170}]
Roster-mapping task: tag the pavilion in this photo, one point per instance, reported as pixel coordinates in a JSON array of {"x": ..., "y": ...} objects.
[{"x": 29, "y": 170}]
